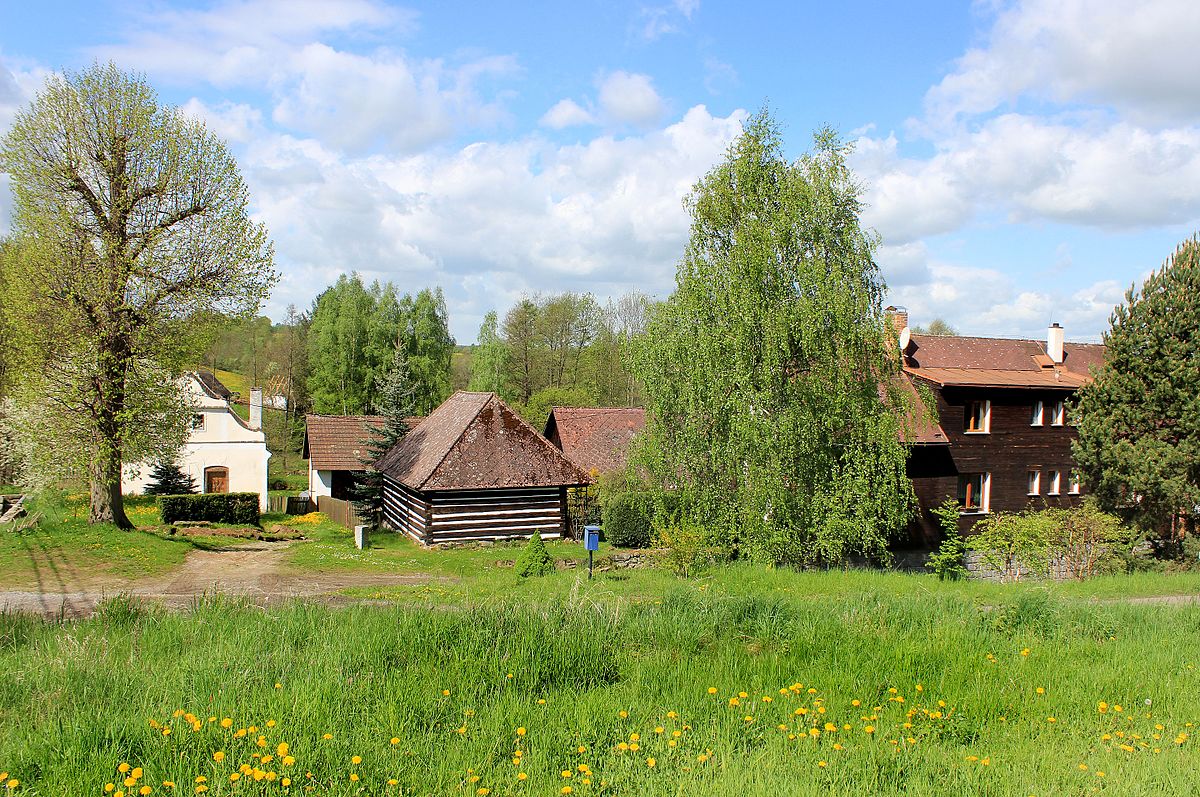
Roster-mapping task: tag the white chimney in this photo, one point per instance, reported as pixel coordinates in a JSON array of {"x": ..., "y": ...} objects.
[
  {"x": 256, "y": 408},
  {"x": 1054, "y": 343}
]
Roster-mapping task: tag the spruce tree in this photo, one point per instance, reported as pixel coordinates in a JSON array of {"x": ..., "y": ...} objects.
[
  {"x": 167, "y": 478},
  {"x": 397, "y": 396},
  {"x": 1139, "y": 420}
]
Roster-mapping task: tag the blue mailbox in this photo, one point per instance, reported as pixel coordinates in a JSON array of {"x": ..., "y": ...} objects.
[{"x": 591, "y": 538}]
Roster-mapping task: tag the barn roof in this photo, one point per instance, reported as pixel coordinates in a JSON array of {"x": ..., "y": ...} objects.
[
  {"x": 952, "y": 360},
  {"x": 596, "y": 439},
  {"x": 474, "y": 441},
  {"x": 335, "y": 442}
]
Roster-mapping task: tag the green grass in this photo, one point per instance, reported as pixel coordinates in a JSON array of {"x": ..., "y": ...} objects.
[{"x": 582, "y": 675}]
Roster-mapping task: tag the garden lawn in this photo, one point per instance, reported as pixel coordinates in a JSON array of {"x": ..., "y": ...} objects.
[{"x": 873, "y": 691}]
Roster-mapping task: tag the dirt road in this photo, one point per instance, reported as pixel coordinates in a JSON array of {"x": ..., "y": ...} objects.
[{"x": 257, "y": 572}]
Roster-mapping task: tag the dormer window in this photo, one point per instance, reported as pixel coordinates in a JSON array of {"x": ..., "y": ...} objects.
[
  {"x": 978, "y": 417},
  {"x": 1039, "y": 410},
  {"x": 1058, "y": 414},
  {"x": 198, "y": 422}
]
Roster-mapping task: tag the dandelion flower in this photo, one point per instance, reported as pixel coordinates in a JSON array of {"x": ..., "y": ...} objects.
[{"x": 650, "y": 762}]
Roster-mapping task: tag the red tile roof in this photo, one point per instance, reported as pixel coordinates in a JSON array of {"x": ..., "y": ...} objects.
[
  {"x": 951, "y": 360},
  {"x": 335, "y": 442},
  {"x": 595, "y": 438},
  {"x": 474, "y": 441}
]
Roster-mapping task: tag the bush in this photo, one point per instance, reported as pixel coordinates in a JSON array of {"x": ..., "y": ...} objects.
[
  {"x": 237, "y": 508},
  {"x": 534, "y": 560},
  {"x": 948, "y": 562},
  {"x": 627, "y": 519}
]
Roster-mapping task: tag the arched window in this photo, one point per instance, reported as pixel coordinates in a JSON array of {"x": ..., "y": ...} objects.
[{"x": 216, "y": 480}]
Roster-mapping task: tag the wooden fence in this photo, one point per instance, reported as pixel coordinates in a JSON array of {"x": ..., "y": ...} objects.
[
  {"x": 290, "y": 505},
  {"x": 342, "y": 512}
]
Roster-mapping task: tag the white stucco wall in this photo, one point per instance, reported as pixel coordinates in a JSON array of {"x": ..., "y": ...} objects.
[
  {"x": 320, "y": 482},
  {"x": 222, "y": 441}
]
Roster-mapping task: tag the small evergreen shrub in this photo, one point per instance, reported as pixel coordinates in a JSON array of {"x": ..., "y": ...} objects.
[
  {"x": 167, "y": 478},
  {"x": 233, "y": 508},
  {"x": 628, "y": 518},
  {"x": 534, "y": 560},
  {"x": 948, "y": 563}
]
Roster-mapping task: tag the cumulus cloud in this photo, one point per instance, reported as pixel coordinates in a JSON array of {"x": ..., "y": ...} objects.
[
  {"x": 566, "y": 113},
  {"x": 1137, "y": 56},
  {"x": 630, "y": 98},
  {"x": 489, "y": 220}
]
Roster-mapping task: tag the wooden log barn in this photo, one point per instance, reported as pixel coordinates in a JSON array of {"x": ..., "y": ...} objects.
[{"x": 474, "y": 470}]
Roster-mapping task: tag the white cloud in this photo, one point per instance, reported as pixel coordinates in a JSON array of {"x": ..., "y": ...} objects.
[
  {"x": 657, "y": 21},
  {"x": 1139, "y": 56},
  {"x": 234, "y": 122},
  {"x": 630, "y": 98},
  {"x": 489, "y": 220},
  {"x": 566, "y": 113}
]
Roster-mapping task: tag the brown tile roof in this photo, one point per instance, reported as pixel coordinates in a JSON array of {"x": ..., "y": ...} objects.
[
  {"x": 335, "y": 442},
  {"x": 920, "y": 430},
  {"x": 473, "y": 441},
  {"x": 596, "y": 438},
  {"x": 999, "y": 362}
]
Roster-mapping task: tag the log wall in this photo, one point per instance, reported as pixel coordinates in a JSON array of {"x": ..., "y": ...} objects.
[{"x": 475, "y": 515}]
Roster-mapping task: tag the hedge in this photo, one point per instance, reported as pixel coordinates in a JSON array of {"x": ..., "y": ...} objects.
[
  {"x": 239, "y": 508},
  {"x": 628, "y": 518}
]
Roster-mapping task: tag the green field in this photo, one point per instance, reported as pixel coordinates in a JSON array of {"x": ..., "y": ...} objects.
[{"x": 839, "y": 684}]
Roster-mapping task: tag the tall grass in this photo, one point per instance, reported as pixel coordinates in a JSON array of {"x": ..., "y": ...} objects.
[{"x": 452, "y": 687}]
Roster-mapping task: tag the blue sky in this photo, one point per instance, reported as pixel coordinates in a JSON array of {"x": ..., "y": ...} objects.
[{"x": 1023, "y": 162}]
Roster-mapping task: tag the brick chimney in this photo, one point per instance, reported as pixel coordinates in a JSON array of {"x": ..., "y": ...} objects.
[
  {"x": 1054, "y": 343},
  {"x": 256, "y": 408},
  {"x": 898, "y": 316}
]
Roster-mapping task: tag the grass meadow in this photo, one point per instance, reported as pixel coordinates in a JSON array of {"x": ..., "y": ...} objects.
[{"x": 844, "y": 683}]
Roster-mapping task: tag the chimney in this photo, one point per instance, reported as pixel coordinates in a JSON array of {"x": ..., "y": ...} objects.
[
  {"x": 898, "y": 316},
  {"x": 256, "y": 408},
  {"x": 1054, "y": 343}
]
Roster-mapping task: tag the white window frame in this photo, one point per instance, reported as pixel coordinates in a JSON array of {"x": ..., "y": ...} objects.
[
  {"x": 1038, "y": 415},
  {"x": 985, "y": 498},
  {"x": 1035, "y": 482},
  {"x": 1054, "y": 483},
  {"x": 1058, "y": 414},
  {"x": 987, "y": 417},
  {"x": 1074, "y": 484}
]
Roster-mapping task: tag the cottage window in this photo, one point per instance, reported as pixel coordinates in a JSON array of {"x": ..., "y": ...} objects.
[
  {"x": 973, "y": 491},
  {"x": 1073, "y": 484},
  {"x": 198, "y": 422},
  {"x": 1035, "y": 418},
  {"x": 1057, "y": 414},
  {"x": 978, "y": 417},
  {"x": 216, "y": 480},
  {"x": 1053, "y": 482},
  {"x": 1035, "y": 482}
]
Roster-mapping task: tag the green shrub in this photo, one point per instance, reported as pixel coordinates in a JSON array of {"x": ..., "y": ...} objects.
[
  {"x": 948, "y": 563},
  {"x": 534, "y": 560},
  {"x": 627, "y": 519},
  {"x": 236, "y": 508}
]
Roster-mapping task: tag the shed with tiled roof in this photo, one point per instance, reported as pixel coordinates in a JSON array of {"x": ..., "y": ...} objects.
[
  {"x": 336, "y": 447},
  {"x": 475, "y": 470},
  {"x": 596, "y": 439}
]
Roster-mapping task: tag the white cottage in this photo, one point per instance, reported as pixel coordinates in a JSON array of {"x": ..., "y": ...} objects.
[{"x": 224, "y": 454}]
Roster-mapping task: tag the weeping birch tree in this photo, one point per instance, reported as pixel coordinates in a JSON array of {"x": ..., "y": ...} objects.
[
  {"x": 132, "y": 226},
  {"x": 770, "y": 375}
]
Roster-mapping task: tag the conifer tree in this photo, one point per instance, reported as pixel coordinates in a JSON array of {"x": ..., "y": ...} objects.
[
  {"x": 1139, "y": 420},
  {"x": 167, "y": 478},
  {"x": 396, "y": 400}
]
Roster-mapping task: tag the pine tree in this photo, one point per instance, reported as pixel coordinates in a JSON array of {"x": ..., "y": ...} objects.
[
  {"x": 167, "y": 478},
  {"x": 1139, "y": 420},
  {"x": 396, "y": 400},
  {"x": 534, "y": 559}
]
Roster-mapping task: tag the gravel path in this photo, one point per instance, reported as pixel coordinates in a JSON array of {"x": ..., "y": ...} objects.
[{"x": 256, "y": 572}]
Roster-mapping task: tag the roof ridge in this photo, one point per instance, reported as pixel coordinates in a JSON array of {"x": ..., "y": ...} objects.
[
  {"x": 542, "y": 438},
  {"x": 459, "y": 436}
]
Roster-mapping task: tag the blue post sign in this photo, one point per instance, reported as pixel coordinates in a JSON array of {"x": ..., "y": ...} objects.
[{"x": 591, "y": 541}]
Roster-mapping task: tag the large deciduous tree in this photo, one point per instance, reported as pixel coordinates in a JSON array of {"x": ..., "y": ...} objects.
[
  {"x": 133, "y": 227},
  {"x": 771, "y": 374},
  {"x": 1139, "y": 420}
]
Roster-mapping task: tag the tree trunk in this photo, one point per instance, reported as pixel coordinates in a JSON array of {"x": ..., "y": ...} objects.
[{"x": 107, "y": 502}]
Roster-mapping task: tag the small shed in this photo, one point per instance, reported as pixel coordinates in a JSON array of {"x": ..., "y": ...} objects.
[
  {"x": 596, "y": 439},
  {"x": 335, "y": 447},
  {"x": 475, "y": 470}
]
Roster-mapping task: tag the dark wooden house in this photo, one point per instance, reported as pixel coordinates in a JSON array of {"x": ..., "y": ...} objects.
[
  {"x": 596, "y": 439},
  {"x": 475, "y": 470},
  {"x": 1005, "y": 436}
]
